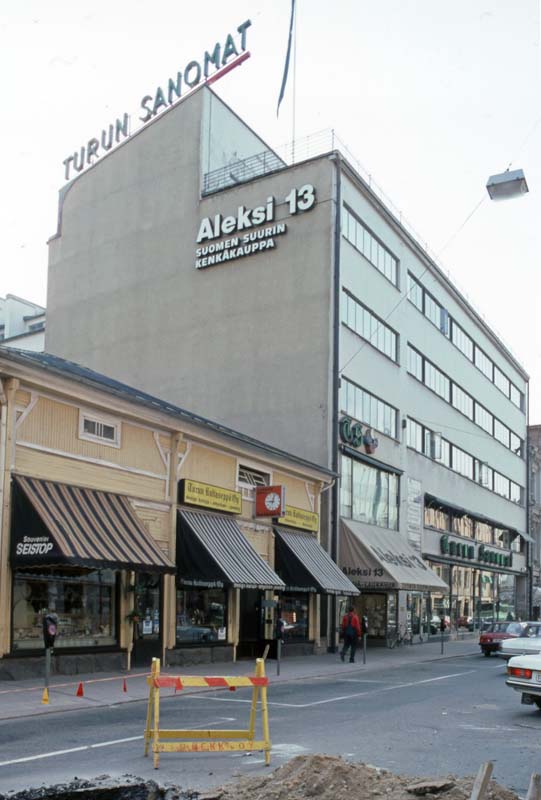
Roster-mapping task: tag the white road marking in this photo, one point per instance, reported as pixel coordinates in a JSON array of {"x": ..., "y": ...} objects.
[
  {"x": 336, "y": 699},
  {"x": 101, "y": 744}
]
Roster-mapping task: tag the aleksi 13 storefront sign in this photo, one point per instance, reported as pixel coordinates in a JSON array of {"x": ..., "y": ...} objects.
[
  {"x": 468, "y": 551},
  {"x": 219, "y": 59},
  {"x": 252, "y": 226}
]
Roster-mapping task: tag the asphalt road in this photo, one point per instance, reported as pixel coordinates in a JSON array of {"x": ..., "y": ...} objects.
[{"x": 424, "y": 719}]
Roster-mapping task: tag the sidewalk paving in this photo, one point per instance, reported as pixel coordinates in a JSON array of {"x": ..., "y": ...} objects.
[{"x": 24, "y": 698}]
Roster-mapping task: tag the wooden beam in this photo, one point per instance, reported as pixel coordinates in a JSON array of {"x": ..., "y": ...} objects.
[{"x": 482, "y": 781}]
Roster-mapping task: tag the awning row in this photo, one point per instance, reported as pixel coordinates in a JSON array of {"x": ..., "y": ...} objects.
[{"x": 62, "y": 525}]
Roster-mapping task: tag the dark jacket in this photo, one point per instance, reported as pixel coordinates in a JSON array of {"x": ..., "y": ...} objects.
[{"x": 352, "y": 619}]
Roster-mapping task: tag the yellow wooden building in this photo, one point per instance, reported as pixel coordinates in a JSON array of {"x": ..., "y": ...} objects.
[{"x": 135, "y": 522}]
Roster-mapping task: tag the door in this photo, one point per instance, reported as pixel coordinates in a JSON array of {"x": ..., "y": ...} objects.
[
  {"x": 147, "y": 629},
  {"x": 251, "y": 642}
]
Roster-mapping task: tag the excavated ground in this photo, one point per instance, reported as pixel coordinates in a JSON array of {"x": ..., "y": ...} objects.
[{"x": 316, "y": 777}]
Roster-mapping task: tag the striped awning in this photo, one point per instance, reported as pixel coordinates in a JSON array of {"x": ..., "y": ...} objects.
[
  {"x": 60, "y": 524},
  {"x": 212, "y": 549},
  {"x": 306, "y": 566}
]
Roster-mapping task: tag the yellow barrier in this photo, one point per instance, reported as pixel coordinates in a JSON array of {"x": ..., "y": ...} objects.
[{"x": 163, "y": 741}]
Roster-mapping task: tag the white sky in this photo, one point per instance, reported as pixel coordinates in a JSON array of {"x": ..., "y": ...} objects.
[{"x": 431, "y": 96}]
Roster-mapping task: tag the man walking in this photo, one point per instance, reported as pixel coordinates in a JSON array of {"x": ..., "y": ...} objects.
[{"x": 351, "y": 630}]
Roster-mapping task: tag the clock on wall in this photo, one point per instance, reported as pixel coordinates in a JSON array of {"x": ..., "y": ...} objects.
[{"x": 270, "y": 501}]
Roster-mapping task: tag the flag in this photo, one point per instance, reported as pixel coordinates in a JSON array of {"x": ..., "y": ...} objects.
[{"x": 288, "y": 54}]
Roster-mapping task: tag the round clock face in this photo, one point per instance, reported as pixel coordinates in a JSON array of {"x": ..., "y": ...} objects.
[{"x": 272, "y": 501}]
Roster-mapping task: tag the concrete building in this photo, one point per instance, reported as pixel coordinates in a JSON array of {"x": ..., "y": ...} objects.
[
  {"x": 139, "y": 525},
  {"x": 289, "y": 302},
  {"x": 22, "y": 324},
  {"x": 534, "y": 452}
]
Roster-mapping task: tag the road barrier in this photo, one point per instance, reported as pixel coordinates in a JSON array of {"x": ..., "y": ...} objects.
[{"x": 178, "y": 741}]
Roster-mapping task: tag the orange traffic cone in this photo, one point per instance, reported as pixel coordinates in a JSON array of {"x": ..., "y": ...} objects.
[
  {"x": 124, "y": 686},
  {"x": 45, "y": 697},
  {"x": 80, "y": 691}
]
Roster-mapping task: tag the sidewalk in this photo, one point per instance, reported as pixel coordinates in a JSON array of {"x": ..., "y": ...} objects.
[{"x": 24, "y": 698}]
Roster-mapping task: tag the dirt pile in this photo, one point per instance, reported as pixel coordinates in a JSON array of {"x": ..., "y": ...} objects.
[
  {"x": 329, "y": 778},
  {"x": 127, "y": 787}
]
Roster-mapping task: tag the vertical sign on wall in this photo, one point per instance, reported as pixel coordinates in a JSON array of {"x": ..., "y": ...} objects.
[{"x": 415, "y": 512}]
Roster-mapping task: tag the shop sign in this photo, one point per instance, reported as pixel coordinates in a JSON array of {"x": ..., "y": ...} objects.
[
  {"x": 215, "y": 62},
  {"x": 30, "y": 549},
  {"x": 299, "y": 518},
  {"x": 260, "y": 235},
  {"x": 270, "y": 501},
  {"x": 352, "y": 433},
  {"x": 194, "y": 493},
  {"x": 468, "y": 551}
]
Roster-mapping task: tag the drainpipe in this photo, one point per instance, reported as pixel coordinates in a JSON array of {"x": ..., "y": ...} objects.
[{"x": 335, "y": 407}]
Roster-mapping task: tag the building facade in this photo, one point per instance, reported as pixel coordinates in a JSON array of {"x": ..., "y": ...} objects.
[
  {"x": 290, "y": 303},
  {"x": 534, "y": 452},
  {"x": 136, "y": 523},
  {"x": 22, "y": 323}
]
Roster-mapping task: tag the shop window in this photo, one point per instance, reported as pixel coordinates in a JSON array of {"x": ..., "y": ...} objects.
[
  {"x": 84, "y": 603},
  {"x": 201, "y": 616},
  {"x": 99, "y": 429},
  {"x": 463, "y": 526},
  {"x": 436, "y": 518},
  {"x": 484, "y": 532},
  {"x": 294, "y": 612}
]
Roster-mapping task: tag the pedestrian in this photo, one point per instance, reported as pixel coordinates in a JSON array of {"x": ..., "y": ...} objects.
[{"x": 351, "y": 630}]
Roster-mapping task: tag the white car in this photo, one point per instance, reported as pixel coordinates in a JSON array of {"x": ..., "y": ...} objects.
[
  {"x": 524, "y": 676},
  {"x": 523, "y": 645}
]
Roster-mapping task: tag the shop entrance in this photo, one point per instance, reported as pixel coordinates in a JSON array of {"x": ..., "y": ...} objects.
[
  {"x": 147, "y": 629},
  {"x": 251, "y": 632}
]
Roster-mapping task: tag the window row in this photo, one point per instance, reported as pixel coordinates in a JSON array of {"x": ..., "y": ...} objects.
[
  {"x": 361, "y": 320},
  {"x": 371, "y": 248},
  {"x": 431, "y": 443},
  {"x": 440, "y": 317},
  {"x": 368, "y": 494},
  {"x": 365, "y": 407},
  {"x": 423, "y": 369},
  {"x": 472, "y": 528}
]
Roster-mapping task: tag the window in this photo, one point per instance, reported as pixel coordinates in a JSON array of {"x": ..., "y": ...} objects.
[
  {"x": 461, "y": 340},
  {"x": 248, "y": 478},
  {"x": 415, "y": 363},
  {"x": 367, "y": 408},
  {"x": 515, "y": 493},
  {"x": 484, "y": 419},
  {"x": 462, "y": 401},
  {"x": 437, "y": 381},
  {"x": 432, "y": 310},
  {"x": 366, "y": 243},
  {"x": 371, "y": 496},
  {"x": 501, "y": 484},
  {"x": 516, "y": 397},
  {"x": 436, "y": 518},
  {"x": 415, "y": 292},
  {"x": 294, "y": 612},
  {"x": 415, "y": 435},
  {"x": 463, "y": 526},
  {"x": 462, "y": 462},
  {"x": 361, "y": 320},
  {"x": 516, "y": 444},
  {"x": 84, "y": 603},
  {"x": 99, "y": 429},
  {"x": 484, "y": 532},
  {"x": 483, "y": 363},
  {"x": 201, "y": 616},
  {"x": 501, "y": 381},
  {"x": 501, "y": 432}
]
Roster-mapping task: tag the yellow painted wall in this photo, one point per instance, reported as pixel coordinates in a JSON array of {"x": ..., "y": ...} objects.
[
  {"x": 209, "y": 466},
  {"x": 157, "y": 524},
  {"x": 296, "y": 494},
  {"x": 66, "y": 470},
  {"x": 22, "y": 398},
  {"x": 55, "y": 425}
]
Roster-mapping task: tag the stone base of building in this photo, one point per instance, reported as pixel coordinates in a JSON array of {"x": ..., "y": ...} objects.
[
  {"x": 189, "y": 656},
  {"x": 18, "y": 669}
]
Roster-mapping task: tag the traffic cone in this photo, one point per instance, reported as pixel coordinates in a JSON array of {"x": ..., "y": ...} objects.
[
  {"x": 45, "y": 697},
  {"x": 124, "y": 686},
  {"x": 80, "y": 691}
]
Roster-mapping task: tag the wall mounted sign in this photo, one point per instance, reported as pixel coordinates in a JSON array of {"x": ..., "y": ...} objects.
[
  {"x": 270, "y": 501},
  {"x": 195, "y": 493},
  {"x": 351, "y": 433},
  {"x": 474, "y": 552},
  {"x": 299, "y": 518},
  {"x": 214, "y": 63},
  {"x": 261, "y": 235}
]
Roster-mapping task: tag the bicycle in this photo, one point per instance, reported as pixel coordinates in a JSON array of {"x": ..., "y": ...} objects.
[{"x": 399, "y": 638}]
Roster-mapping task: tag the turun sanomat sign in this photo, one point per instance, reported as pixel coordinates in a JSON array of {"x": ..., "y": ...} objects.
[
  {"x": 214, "y": 62},
  {"x": 255, "y": 229}
]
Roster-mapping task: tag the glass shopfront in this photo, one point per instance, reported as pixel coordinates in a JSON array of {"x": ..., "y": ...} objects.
[
  {"x": 201, "y": 616},
  {"x": 294, "y": 612},
  {"x": 84, "y": 602}
]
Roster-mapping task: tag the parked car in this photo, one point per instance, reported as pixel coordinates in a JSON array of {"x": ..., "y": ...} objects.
[
  {"x": 435, "y": 623},
  {"x": 489, "y": 640},
  {"x": 524, "y": 676},
  {"x": 524, "y": 645},
  {"x": 465, "y": 622}
]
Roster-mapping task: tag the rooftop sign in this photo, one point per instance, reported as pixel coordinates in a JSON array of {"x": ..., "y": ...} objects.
[{"x": 214, "y": 63}]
